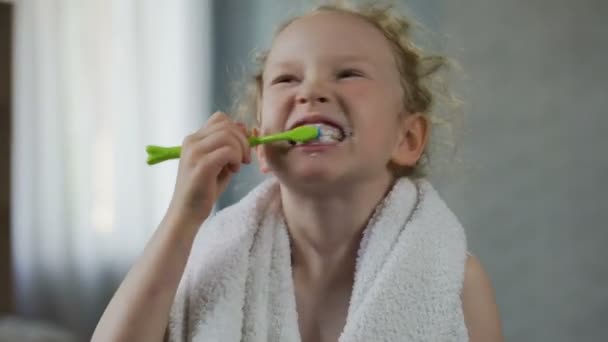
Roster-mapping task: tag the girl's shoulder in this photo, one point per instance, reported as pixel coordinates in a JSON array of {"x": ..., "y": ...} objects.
[{"x": 479, "y": 303}]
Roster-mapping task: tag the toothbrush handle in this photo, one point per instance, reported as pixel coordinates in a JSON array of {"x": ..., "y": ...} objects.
[
  {"x": 158, "y": 154},
  {"x": 254, "y": 141}
]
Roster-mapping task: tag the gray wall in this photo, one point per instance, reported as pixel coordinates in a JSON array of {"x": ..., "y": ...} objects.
[
  {"x": 533, "y": 202},
  {"x": 529, "y": 189}
]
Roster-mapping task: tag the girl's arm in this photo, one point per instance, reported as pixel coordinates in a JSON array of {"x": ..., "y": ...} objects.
[
  {"x": 140, "y": 308},
  {"x": 139, "y": 311},
  {"x": 479, "y": 304}
]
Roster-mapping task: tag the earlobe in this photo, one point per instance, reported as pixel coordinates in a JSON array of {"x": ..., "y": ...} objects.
[
  {"x": 260, "y": 153},
  {"x": 264, "y": 168},
  {"x": 412, "y": 140}
]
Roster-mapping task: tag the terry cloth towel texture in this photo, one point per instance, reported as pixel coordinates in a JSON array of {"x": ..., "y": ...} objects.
[{"x": 238, "y": 283}]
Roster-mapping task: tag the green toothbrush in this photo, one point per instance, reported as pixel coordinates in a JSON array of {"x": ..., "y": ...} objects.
[{"x": 157, "y": 154}]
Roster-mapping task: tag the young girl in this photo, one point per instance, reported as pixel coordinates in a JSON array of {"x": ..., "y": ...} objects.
[{"x": 345, "y": 240}]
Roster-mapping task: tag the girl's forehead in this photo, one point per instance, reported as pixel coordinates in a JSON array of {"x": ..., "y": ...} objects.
[{"x": 330, "y": 34}]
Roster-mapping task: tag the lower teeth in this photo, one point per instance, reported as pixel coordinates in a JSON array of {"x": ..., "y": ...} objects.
[
  {"x": 318, "y": 142},
  {"x": 328, "y": 135}
]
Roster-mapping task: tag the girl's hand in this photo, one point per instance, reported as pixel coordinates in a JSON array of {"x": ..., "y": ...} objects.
[{"x": 209, "y": 158}]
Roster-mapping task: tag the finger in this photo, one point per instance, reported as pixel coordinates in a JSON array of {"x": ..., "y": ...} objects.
[
  {"x": 247, "y": 133},
  {"x": 213, "y": 126},
  {"x": 207, "y": 130},
  {"x": 217, "y": 117},
  {"x": 240, "y": 133},
  {"x": 218, "y": 159},
  {"x": 238, "y": 130},
  {"x": 216, "y": 140},
  {"x": 243, "y": 128}
]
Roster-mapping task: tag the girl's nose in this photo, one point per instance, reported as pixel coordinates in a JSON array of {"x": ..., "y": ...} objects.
[
  {"x": 304, "y": 100},
  {"x": 312, "y": 92}
]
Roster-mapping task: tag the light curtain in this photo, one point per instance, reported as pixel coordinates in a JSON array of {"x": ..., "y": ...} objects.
[{"x": 95, "y": 81}]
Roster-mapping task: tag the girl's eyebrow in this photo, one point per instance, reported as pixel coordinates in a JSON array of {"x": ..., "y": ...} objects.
[
  {"x": 357, "y": 61},
  {"x": 283, "y": 64},
  {"x": 351, "y": 58},
  {"x": 334, "y": 59}
]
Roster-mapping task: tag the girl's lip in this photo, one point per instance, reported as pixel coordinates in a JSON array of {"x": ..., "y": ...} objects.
[
  {"x": 316, "y": 147},
  {"x": 316, "y": 118}
]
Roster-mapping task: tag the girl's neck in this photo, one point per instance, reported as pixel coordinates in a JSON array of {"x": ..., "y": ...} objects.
[{"x": 326, "y": 230}]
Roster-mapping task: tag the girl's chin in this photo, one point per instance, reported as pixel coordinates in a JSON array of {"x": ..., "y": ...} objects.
[
  {"x": 319, "y": 178},
  {"x": 311, "y": 176},
  {"x": 311, "y": 168}
]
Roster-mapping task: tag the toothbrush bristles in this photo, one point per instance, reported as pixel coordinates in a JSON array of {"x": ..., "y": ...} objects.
[{"x": 330, "y": 133}]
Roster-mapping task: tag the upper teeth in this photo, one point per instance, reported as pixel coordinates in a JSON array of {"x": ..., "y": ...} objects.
[{"x": 327, "y": 134}]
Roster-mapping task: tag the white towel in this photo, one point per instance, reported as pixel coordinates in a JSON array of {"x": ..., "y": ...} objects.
[{"x": 238, "y": 283}]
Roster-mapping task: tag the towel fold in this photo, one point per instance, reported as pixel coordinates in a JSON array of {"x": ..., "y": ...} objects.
[{"x": 238, "y": 283}]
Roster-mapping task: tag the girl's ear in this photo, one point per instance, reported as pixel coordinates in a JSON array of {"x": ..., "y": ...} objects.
[
  {"x": 413, "y": 135},
  {"x": 259, "y": 151}
]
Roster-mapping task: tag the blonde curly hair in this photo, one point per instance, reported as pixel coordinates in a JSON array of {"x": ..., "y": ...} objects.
[{"x": 422, "y": 86}]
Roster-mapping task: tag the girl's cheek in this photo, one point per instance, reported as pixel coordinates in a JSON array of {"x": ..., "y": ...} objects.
[
  {"x": 271, "y": 102},
  {"x": 275, "y": 107},
  {"x": 355, "y": 89}
]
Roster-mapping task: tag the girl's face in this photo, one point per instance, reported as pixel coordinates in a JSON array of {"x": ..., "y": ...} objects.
[{"x": 332, "y": 68}]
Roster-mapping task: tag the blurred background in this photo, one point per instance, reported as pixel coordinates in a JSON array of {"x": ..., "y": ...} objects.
[{"x": 86, "y": 84}]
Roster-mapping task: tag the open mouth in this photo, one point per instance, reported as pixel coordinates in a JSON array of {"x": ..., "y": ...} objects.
[{"x": 328, "y": 134}]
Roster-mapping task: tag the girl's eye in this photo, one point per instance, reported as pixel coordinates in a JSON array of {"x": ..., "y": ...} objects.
[
  {"x": 284, "y": 79},
  {"x": 349, "y": 73}
]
